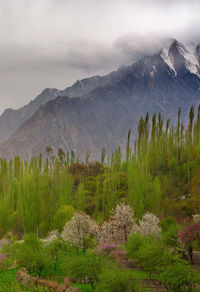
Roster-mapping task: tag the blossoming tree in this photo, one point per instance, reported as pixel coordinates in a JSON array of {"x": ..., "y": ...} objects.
[{"x": 80, "y": 231}]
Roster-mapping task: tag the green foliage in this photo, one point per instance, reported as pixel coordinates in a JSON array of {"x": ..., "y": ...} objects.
[
  {"x": 79, "y": 267},
  {"x": 170, "y": 237},
  {"x": 167, "y": 223},
  {"x": 152, "y": 255},
  {"x": 57, "y": 250},
  {"x": 10, "y": 251},
  {"x": 135, "y": 241},
  {"x": 83, "y": 287},
  {"x": 62, "y": 216},
  {"x": 179, "y": 277},
  {"x": 160, "y": 175},
  {"x": 115, "y": 279},
  {"x": 31, "y": 255},
  {"x": 170, "y": 231}
]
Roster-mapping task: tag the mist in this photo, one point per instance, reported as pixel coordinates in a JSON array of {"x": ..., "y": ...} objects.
[{"x": 52, "y": 43}]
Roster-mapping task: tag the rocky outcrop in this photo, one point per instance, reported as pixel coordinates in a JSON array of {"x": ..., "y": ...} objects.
[{"x": 23, "y": 278}]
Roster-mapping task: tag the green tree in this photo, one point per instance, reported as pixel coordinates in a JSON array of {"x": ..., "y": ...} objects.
[
  {"x": 180, "y": 277},
  {"x": 63, "y": 215},
  {"x": 80, "y": 267},
  {"x": 31, "y": 255}
]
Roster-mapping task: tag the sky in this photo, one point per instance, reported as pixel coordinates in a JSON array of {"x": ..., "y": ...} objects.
[{"x": 52, "y": 43}]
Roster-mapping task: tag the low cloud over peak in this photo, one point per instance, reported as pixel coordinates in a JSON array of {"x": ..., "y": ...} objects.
[{"x": 51, "y": 43}]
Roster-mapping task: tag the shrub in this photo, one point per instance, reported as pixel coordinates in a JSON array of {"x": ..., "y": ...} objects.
[
  {"x": 115, "y": 279},
  {"x": 30, "y": 255},
  {"x": 10, "y": 252},
  {"x": 57, "y": 250},
  {"x": 135, "y": 241},
  {"x": 85, "y": 266},
  {"x": 152, "y": 255},
  {"x": 180, "y": 276},
  {"x": 170, "y": 232},
  {"x": 170, "y": 237},
  {"x": 167, "y": 223}
]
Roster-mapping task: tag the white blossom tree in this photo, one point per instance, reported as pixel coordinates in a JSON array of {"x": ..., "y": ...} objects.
[
  {"x": 80, "y": 231},
  {"x": 54, "y": 234},
  {"x": 120, "y": 224},
  {"x": 149, "y": 225}
]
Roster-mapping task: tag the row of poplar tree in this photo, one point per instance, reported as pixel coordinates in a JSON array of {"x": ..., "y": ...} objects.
[{"x": 160, "y": 173}]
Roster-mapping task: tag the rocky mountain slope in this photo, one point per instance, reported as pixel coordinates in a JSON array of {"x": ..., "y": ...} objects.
[
  {"x": 12, "y": 119},
  {"x": 106, "y": 110}
]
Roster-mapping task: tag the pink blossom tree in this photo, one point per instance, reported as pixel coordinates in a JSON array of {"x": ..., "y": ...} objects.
[
  {"x": 112, "y": 248},
  {"x": 188, "y": 235}
]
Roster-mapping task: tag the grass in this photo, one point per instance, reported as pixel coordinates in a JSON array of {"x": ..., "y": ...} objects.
[
  {"x": 8, "y": 282},
  {"x": 83, "y": 287}
]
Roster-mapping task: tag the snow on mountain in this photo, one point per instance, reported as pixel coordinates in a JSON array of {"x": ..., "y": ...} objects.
[
  {"x": 186, "y": 51},
  {"x": 191, "y": 58},
  {"x": 165, "y": 55}
]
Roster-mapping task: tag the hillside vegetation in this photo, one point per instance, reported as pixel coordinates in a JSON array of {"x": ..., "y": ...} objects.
[
  {"x": 159, "y": 174},
  {"x": 119, "y": 224}
]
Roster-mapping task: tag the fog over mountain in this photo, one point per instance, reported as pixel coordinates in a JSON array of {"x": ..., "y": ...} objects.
[{"x": 50, "y": 43}]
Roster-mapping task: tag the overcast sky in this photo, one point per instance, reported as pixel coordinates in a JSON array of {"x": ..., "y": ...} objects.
[{"x": 52, "y": 43}]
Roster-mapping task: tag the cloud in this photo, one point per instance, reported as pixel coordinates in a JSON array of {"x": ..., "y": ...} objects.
[{"x": 51, "y": 43}]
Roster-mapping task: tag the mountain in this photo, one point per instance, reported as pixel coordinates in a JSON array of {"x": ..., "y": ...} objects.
[
  {"x": 84, "y": 86},
  {"x": 102, "y": 116},
  {"x": 11, "y": 119}
]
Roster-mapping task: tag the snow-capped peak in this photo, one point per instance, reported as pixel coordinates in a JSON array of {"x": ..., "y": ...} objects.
[
  {"x": 191, "y": 59},
  {"x": 189, "y": 54},
  {"x": 168, "y": 59}
]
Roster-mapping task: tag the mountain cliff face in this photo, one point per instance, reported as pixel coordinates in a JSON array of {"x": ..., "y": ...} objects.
[{"x": 110, "y": 105}]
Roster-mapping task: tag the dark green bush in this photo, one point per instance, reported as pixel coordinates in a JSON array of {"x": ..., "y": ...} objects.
[
  {"x": 31, "y": 255},
  {"x": 135, "y": 241},
  {"x": 115, "y": 279},
  {"x": 57, "y": 250},
  {"x": 180, "y": 277},
  {"x": 152, "y": 255},
  {"x": 170, "y": 231},
  {"x": 167, "y": 223},
  {"x": 170, "y": 237},
  {"x": 86, "y": 266}
]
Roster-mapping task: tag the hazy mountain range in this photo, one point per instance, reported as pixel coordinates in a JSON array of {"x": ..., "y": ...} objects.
[{"x": 97, "y": 112}]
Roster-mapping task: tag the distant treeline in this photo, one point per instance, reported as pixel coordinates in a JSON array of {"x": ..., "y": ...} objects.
[{"x": 160, "y": 174}]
